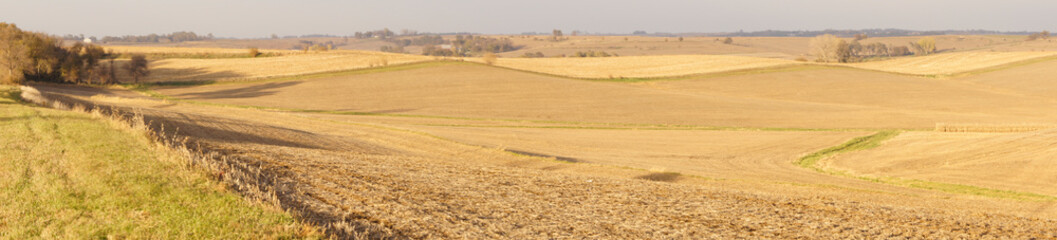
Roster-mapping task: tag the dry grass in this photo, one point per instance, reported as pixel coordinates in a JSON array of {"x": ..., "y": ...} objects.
[
  {"x": 92, "y": 173},
  {"x": 950, "y": 63},
  {"x": 639, "y": 66}
]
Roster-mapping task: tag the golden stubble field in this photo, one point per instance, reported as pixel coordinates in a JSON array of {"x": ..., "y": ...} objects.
[
  {"x": 289, "y": 63},
  {"x": 465, "y": 150},
  {"x": 813, "y": 98},
  {"x": 1011, "y": 161},
  {"x": 362, "y": 174}
]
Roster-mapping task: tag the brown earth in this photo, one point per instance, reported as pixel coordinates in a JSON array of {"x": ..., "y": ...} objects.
[{"x": 359, "y": 175}]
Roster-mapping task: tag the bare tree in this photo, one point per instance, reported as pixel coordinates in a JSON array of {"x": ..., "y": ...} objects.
[
  {"x": 90, "y": 57},
  {"x": 924, "y": 46},
  {"x": 825, "y": 48},
  {"x": 899, "y": 51},
  {"x": 137, "y": 67}
]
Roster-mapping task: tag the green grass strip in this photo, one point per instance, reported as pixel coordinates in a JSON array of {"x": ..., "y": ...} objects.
[
  {"x": 860, "y": 143},
  {"x": 872, "y": 141}
]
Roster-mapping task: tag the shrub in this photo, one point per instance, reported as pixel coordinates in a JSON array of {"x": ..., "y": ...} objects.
[
  {"x": 532, "y": 55},
  {"x": 728, "y": 40},
  {"x": 431, "y": 50},
  {"x": 899, "y": 51},
  {"x": 137, "y": 67},
  {"x": 1039, "y": 35},
  {"x": 592, "y": 53},
  {"x": 397, "y": 49},
  {"x": 254, "y": 52},
  {"x": 489, "y": 58},
  {"x": 320, "y": 48},
  {"x": 106, "y": 73}
]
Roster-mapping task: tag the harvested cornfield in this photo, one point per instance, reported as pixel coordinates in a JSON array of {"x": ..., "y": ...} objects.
[
  {"x": 384, "y": 181},
  {"x": 950, "y": 63},
  {"x": 449, "y": 149},
  {"x": 1012, "y": 164},
  {"x": 184, "y": 70},
  {"x": 639, "y": 66},
  {"x": 818, "y": 98}
]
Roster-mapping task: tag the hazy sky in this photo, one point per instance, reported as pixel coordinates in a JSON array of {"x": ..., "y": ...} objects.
[{"x": 261, "y": 18}]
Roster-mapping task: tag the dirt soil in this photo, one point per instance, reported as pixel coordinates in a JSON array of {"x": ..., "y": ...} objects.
[{"x": 356, "y": 176}]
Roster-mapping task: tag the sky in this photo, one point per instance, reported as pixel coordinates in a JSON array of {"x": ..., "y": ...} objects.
[{"x": 261, "y": 18}]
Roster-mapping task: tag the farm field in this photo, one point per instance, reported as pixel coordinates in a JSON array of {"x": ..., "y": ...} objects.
[
  {"x": 951, "y": 63},
  {"x": 331, "y": 157},
  {"x": 242, "y": 68},
  {"x": 462, "y": 119},
  {"x": 796, "y": 99},
  {"x": 640, "y": 66},
  {"x": 1014, "y": 161},
  {"x": 744, "y": 145},
  {"x": 1032, "y": 80}
]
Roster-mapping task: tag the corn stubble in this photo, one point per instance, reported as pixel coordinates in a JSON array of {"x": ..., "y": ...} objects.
[{"x": 359, "y": 181}]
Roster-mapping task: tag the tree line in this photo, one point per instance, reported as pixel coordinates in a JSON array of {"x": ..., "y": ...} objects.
[
  {"x": 470, "y": 45},
  {"x": 154, "y": 38},
  {"x": 39, "y": 57},
  {"x": 829, "y": 48},
  {"x": 383, "y": 34},
  {"x": 419, "y": 41}
]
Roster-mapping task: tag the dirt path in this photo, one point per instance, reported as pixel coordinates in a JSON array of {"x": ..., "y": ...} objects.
[{"x": 362, "y": 177}]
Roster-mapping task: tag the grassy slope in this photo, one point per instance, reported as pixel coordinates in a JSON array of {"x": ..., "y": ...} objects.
[{"x": 71, "y": 175}]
